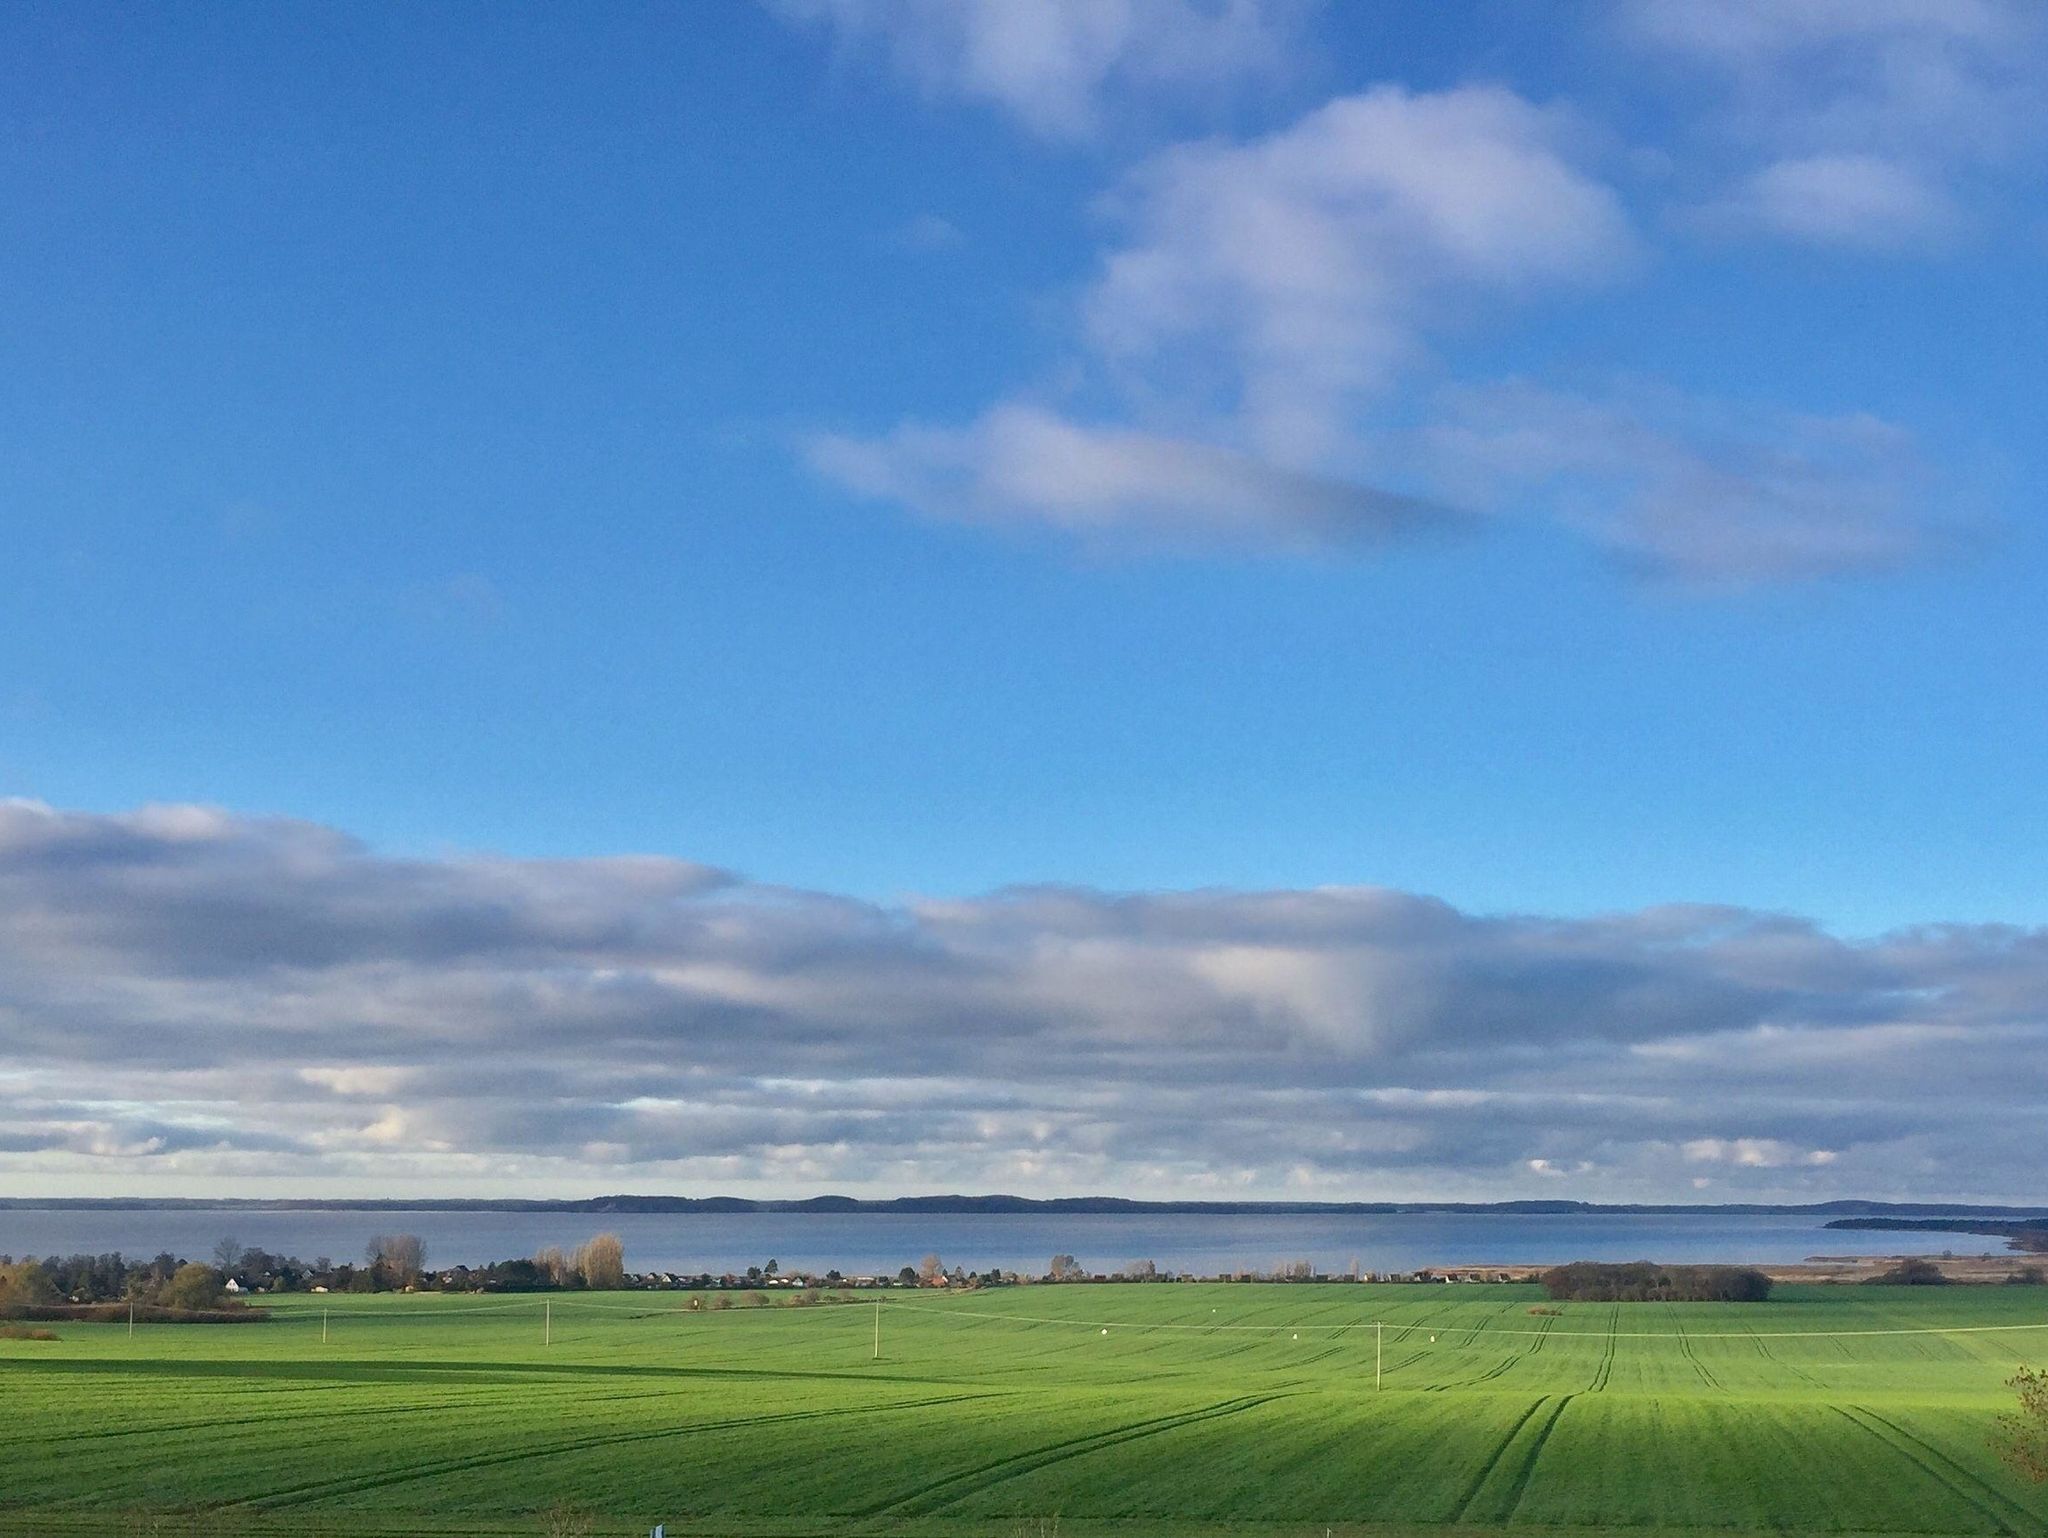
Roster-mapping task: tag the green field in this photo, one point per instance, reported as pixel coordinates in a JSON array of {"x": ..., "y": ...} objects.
[{"x": 1204, "y": 1409}]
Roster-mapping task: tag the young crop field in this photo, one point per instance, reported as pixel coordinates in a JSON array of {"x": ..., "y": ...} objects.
[{"x": 1034, "y": 1412}]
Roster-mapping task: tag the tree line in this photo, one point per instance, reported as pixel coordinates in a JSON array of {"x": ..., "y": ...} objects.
[
  {"x": 1643, "y": 1281},
  {"x": 61, "y": 1286},
  {"x": 391, "y": 1263}
]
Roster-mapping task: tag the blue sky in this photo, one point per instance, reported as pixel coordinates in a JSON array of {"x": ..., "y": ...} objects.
[{"x": 1560, "y": 461}]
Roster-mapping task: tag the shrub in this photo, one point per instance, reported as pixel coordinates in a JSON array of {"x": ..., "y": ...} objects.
[
  {"x": 1911, "y": 1272},
  {"x": 1642, "y": 1281},
  {"x": 2023, "y": 1435},
  {"x": 23, "y": 1332},
  {"x": 193, "y": 1286},
  {"x": 565, "y": 1521},
  {"x": 145, "y": 1313}
]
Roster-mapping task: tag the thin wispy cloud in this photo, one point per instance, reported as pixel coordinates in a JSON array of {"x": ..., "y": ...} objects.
[
  {"x": 928, "y": 233},
  {"x": 1056, "y": 66},
  {"x": 1699, "y": 492},
  {"x": 1022, "y": 466},
  {"x": 1856, "y": 118}
]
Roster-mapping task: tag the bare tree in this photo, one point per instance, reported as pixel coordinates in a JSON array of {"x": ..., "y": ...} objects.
[
  {"x": 602, "y": 1263},
  {"x": 1066, "y": 1269},
  {"x": 554, "y": 1265},
  {"x": 929, "y": 1270},
  {"x": 227, "y": 1254},
  {"x": 1141, "y": 1271},
  {"x": 2023, "y": 1435},
  {"x": 401, "y": 1257}
]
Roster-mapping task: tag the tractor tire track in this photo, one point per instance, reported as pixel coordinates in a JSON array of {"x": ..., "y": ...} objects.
[
  {"x": 1519, "y": 1487},
  {"x": 1500, "y": 1452},
  {"x": 1606, "y": 1368},
  {"x": 1763, "y": 1350},
  {"x": 1692, "y": 1356},
  {"x": 1509, "y": 1362},
  {"x": 351, "y": 1484},
  {"x": 1477, "y": 1336},
  {"x": 956, "y": 1487},
  {"x": 479, "y": 1401},
  {"x": 1972, "y": 1487},
  {"x": 1338, "y": 1346}
]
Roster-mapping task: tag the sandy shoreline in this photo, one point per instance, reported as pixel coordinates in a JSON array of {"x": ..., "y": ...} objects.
[{"x": 1986, "y": 1267}]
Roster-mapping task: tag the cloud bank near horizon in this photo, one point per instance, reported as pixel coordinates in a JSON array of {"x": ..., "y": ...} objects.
[{"x": 192, "y": 1000}]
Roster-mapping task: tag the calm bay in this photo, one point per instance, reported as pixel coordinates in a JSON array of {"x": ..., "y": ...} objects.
[{"x": 856, "y": 1243}]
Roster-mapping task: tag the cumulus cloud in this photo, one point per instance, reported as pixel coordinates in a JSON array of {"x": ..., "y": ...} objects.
[
  {"x": 1249, "y": 342},
  {"x": 1023, "y": 465},
  {"x": 1857, "y": 115},
  {"x": 1312, "y": 261},
  {"x": 1053, "y": 65},
  {"x": 1267, "y": 292},
  {"x": 351, "y": 1021},
  {"x": 1697, "y": 491}
]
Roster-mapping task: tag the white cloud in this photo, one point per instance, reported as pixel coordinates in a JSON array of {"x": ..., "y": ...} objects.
[
  {"x": 1755, "y": 1152},
  {"x": 1021, "y": 465},
  {"x": 360, "y": 1079},
  {"x": 1054, "y": 64},
  {"x": 165, "y": 1017},
  {"x": 1305, "y": 267},
  {"x": 1269, "y": 292},
  {"x": 1697, "y": 491},
  {"x": 1858, "y": 116},
  {"x": 1841, "y": 200}
]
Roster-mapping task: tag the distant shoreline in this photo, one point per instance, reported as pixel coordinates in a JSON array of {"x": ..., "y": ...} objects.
[
  {"x": 1847, "y": 1212},
  {"x": 2028, "y": 1234}
]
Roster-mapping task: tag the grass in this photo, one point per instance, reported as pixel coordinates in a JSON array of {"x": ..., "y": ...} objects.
[{"x": 1224, "y": 1410}]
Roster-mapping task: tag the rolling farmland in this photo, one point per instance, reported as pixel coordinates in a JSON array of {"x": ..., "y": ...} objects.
[{"x": 1134, "y": 1409}]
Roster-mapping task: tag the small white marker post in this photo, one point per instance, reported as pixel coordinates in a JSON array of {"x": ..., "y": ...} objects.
[
  {"x": 1375, "y": 1354},
  {"x": 131, "y": 1316},
  {"x": 547, "y": 1322},
  {"x": 323, "y": 1326},
  {"x": 878, "y": 1329}
]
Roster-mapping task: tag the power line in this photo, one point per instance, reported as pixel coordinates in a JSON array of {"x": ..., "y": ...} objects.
[{"x": 1465, "y": 1329}]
